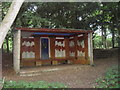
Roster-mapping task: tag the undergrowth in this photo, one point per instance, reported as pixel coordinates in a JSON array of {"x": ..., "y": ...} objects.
[{"x": 110, "y": 80}]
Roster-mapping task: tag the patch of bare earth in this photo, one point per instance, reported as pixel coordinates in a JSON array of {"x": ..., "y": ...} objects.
[{"x": 74, "y": 76}]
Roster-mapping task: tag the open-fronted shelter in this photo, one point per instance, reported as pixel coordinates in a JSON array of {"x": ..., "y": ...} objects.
[{"x": 41, "y": 46}]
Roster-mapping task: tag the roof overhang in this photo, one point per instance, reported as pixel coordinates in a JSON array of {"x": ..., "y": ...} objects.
[{"x": 46, "y": 30}]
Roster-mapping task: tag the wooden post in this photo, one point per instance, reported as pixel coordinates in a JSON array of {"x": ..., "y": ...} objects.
[
  {"x": 86, "y": 46},
  {"x": 90, "y": 48},
  {"x": 52, "y": 50},
  {"x": 37, "y": 48},
  {"x": 67, "y": 47},
  {"x": 52, "y": 47},
  {"x": 16, "y": 52},
  {"x": 76, "y": 38}
]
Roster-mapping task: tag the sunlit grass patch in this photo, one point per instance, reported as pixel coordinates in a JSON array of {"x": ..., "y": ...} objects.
[{"x": 37, "y": 84}]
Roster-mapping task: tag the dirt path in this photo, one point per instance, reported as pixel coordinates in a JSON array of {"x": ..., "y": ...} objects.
[{"x": 74, "y": 76}]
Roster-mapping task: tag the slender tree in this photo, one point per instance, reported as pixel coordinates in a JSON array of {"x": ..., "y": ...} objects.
[
  {"x": 0, "y": 50},
  {"x": 9, "y": 19}
]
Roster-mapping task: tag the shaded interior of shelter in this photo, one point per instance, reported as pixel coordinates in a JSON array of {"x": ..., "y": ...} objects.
[{"x": 39, "y": 48}]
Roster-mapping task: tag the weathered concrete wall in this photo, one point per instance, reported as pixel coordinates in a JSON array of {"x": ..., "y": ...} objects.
[
  {"x": 90, "y": 48},
  {"x": 105, "y": 53},
  {"x": 16, "y": 51},
  {"x": 26, "y": 34}
]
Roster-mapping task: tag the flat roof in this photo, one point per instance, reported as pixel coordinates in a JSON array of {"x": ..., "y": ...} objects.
[{"x": 47, "y": 30}]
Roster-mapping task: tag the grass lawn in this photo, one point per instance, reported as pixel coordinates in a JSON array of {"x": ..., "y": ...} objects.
[{"x": 37, "y": 84}]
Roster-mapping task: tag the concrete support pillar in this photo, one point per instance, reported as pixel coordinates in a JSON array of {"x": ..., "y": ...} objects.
[
  {"x": 16, "y": 51},
  {"x": 90, "y": 48}
]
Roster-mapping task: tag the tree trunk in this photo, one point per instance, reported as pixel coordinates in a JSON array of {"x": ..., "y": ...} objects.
[
  {"x": 113, "y": 36},
  {"x": 0, "y": 63},
  {"x": 118, "y": 18},
  {"x": 119, "y": 38},
  {"x": 9, "y": 19},
  {"x": 105, "y": 37},
  {"x": 7, "y": 43},
  {"x": 93, "y": 44},
  {"x": 1, "y": 50}
]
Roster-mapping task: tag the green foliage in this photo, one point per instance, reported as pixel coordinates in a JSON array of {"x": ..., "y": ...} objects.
[
  {"x": 111, "y": 79},
  {"x": 37, "y": 84},
  {"x": 82, "y": 15},
  {"x": 98, "y": 42}
]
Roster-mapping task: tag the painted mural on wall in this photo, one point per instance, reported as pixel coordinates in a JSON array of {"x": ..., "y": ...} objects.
[
  {"x": 72, "y": 45},
  {"x": 28, "y": 48},
  {"x": 60, "y": 48},
  {"x": 81, "y": 45}
]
